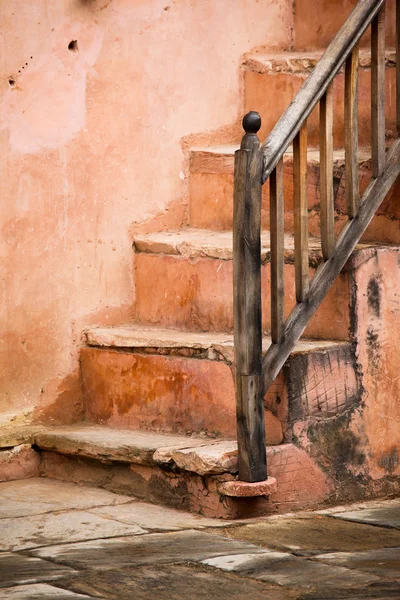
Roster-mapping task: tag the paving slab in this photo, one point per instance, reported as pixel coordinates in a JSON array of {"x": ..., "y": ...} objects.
[
  {"x": 175, "y": 582},
  {"x": 158, "y": 518},
  {"x": 292, "y": 571},
  {"x": 385, "y": 563},
  {"x": 381, "y": 590},
  {"x": 37, "y": 495},
  {"x": 71, "y": 526},
  {"x": 144, "y": 549},
  {"x": 307, "y": 534},
  {"x": 40, "y": 591},
  {"x": 16, "y": 569},
  {"x": 384, "y": 516}
]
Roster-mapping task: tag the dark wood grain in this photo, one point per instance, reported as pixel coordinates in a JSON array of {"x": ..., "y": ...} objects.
[
  {"x": 277, "y": 209},
  {"x": 378, "y": 92},
  {"x": 317, "y": 83},
  {"x": 247, "y": 310},
  {"x": 327, "y": 272},
  {"x": 326, "y": 173},
  {"x": 300, "y": 209},
  {"x": 351, "y": 132}
]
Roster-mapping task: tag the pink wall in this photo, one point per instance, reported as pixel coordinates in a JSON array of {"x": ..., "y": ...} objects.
[{"x": 90, "y": 145}]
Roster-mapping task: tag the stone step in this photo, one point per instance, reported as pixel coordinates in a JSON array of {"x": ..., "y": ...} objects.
[
  {"x": 272, "y": 80},
  {"x": 211, "y": 193},
  {"x": 191, "y": 473},
  {"x": 184, "y": 281},
  {"x": 179, "y": 382}
]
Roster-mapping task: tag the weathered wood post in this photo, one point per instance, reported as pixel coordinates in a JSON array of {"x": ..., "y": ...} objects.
[{"x": 247, "y": 304}]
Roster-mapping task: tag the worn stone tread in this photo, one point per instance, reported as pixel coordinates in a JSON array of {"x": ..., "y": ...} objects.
[
  {"x": 203, "y": 243},
  {"x": 107, "y": 444},
  {"x": 139, "y": 337},
  {"x": 302, "y": 62},
  {"x": 203, "y": 157}
]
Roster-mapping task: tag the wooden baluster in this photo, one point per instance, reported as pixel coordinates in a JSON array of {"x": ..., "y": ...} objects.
[
  {"x": 398, "y": 65},
  {"x": 247, "y": 304},
  {"x": 300, "y": 213},
  {"x": 351, "y": 132},
  {"x": 326, "y": 173},
  {"x": 378, "y": 92},
  {"x": 277, "y": 252}
]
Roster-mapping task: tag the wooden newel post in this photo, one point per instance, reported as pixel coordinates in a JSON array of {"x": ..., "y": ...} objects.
[{"x": 247, "y": 304}]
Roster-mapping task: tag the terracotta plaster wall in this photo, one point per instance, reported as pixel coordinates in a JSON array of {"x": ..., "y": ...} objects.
[{"x": 90, "y": 142}]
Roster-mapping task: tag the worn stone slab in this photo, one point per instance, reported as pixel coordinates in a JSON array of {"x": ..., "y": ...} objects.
[
  {"x": 215, "y": 343},
  {"x": 16, "y": 569},
  {"x": 19, "y": 462},
  {"x": 154, "y": 517},
  {"x": 388, "y": 516},
  {"x": 174, "y": 582},
  {"x": 144, "y": 549},
  {"x": 305, "y": 535},
  {"x": 107, "y": 444},
  {"x": 36, "y": 496},
  {"x": 288, "y": 570},
  {"x": 384, "y": 563},
  {"x": 39, "y": 591},
  {"x": 200, "y": 243},
  {"x": 14, "y": 435},
  {"x": 211, "y": 459},
  {"x": 70, "y": 526}
]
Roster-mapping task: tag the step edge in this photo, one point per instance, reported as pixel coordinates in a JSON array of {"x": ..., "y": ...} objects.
[
  {"x": 302, "y": 62},
  {"x": 112, "y": 338}
]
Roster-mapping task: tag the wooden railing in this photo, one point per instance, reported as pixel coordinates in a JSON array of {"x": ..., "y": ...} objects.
[{"x": 253, "y": 166}]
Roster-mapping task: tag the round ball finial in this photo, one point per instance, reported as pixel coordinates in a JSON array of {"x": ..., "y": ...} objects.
[{"x": 251, "y": 122}]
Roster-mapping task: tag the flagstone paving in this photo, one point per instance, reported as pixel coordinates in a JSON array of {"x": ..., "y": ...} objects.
[{"x": 65, "y": 541}]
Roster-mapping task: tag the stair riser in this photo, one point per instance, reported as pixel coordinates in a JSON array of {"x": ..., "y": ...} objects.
[
  {"x": 271, "y": 93},
  {"x": 196, "y": 295},
  {"x": 301, "y": 484},
  {"x": 211, "y": 199},
  {"x": 315, "y": 27},
  {"x": 163, "y": 393}
]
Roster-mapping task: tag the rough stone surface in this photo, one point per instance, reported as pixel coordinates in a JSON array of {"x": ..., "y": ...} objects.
[
  {"x": 19, "y": 462},
  {"x": 40, "y": 591},
  {"x": 385, "y": 516},
  {"x": 36, "y": 496},
  {"x": 385, "y": 563},
  {"x": 16, "y": 569},
  {"x": 291, "y": 557},
  {"x": 153, "y": 517},
  {"x": 175, "y": 582},
  {"x": 211, "y": 459},
  {"x": 243, "y": 489},
  {"x": 143, "y": 549},
  {"x": 287, "y": 570},
  {"x": 306, "y": 534},
  {"x": 69, "y": 526}
]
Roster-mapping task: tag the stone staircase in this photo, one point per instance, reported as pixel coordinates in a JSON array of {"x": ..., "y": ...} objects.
[{"x": 159, "y": 401}]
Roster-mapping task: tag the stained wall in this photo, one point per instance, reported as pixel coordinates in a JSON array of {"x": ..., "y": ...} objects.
[{"x": 96, "y": 98}]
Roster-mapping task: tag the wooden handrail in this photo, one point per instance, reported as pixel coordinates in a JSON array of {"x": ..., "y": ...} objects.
[
  {"x": 317, "y": 83},
  {"x": 253, "y": 165}
]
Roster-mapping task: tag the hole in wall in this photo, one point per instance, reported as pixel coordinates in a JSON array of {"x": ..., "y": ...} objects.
[
  {"x": 73, "y": 46},
  {"x": 11, "y": 81}
]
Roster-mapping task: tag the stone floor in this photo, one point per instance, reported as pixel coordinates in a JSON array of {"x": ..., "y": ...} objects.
[{"x": 60, "y": 540}]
